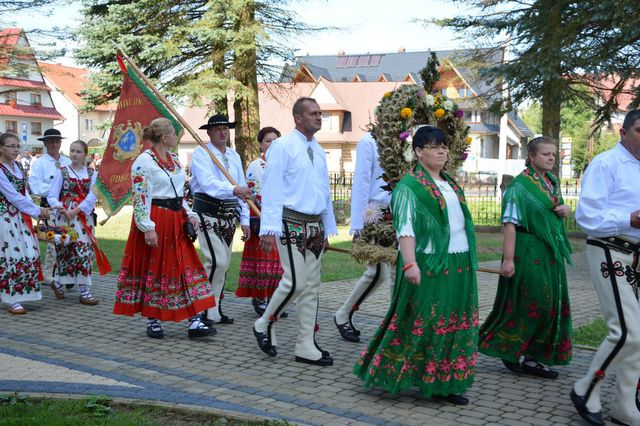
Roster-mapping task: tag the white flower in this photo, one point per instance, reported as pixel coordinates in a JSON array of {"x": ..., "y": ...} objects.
[
  {"x": 372, "y": 214},
  {"x": 448, "y": 105},
  {"x": 408, "y": 153},
  {"x": 429, "y": 100}
]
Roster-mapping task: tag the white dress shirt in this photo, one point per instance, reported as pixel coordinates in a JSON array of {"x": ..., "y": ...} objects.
[
  {"x": 43, "y": 170},
  {"x": 21, "y": 202},
  {"x": 609, "y": 194},
  {"x": 206, "y": 176},
  {"x": 89, "y": 202},
  {"x": 367, "y": 182},
  {"x": 458, "y": 242},
  {"x": 293, "y": 181}
]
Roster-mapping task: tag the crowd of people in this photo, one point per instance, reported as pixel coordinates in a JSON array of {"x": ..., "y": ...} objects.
[{"x": 431, "y": 333}]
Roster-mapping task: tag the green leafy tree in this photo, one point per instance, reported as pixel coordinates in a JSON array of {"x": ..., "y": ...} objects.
[
  {"x": 197, "y": 51},
  {"x": 553, "y": 46}
]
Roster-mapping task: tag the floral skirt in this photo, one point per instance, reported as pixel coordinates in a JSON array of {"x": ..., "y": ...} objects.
[
  {"x": 167, "y": 282},
  {"x": 428, "y": 338},
  {"x": 74, "y": 259},
  {"x": 19, "y": 260},
  {"x": 260, "y": 272},
  {"x": 531, "y": 313}
]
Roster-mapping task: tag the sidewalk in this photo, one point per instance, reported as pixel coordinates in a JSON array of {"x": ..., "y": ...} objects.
[{"x": 62, "y": 347}]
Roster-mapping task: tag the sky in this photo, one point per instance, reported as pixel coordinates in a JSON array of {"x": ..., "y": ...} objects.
[{"x": 363, "y": 26}]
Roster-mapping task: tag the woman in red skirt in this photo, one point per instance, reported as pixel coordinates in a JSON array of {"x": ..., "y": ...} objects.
[
  {"x": 260, "y": 272},
  {"x": 162, "y": 276}
]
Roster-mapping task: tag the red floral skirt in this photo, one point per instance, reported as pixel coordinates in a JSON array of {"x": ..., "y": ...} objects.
[
  {"x": 260, "y": 272},
  {"x": 167, "y": 282}
]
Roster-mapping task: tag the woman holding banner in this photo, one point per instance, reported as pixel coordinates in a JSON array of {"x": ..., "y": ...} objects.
[
  {"x": 71, "y": 194},
  {"x": 161, "y": 275}
]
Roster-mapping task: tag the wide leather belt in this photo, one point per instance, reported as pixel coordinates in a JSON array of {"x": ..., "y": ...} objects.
[
  {"x": 174, "y": 204},
  {"x": 300, "y": 217},
  {"x": 205, "y": 204},
  {"x": 622, "y": 243}
]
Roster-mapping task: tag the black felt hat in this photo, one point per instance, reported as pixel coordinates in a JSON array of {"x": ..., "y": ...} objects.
[
  {"x": 218, "y": 120},
  {"x": 51, "y": 134}
]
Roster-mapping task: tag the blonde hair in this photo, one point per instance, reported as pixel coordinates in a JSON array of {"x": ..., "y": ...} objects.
[{"x": 157, "y": 129}]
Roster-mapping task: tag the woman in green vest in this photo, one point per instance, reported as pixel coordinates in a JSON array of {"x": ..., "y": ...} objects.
[
  {"x": 429, "y": 336},
  {"x": 530, "y": 324}
]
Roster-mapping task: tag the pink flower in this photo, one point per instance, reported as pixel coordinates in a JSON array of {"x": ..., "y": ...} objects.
[
  {"x": 392, "y": 327},
  {"x": 460, "y": 363},
  {"x": 418, "y": 322},
  {"x": 430, "y": 367},
  {"x": 396, "y": 342},
  {"x": 444, "y": 366},
  {"x": 376, "y": 360},
  {"x": 511, "y": 324},
  {"x": 441, "y": 322},
  {"x": 405, "y": 367},
  {"x": 417, "y": 331}
]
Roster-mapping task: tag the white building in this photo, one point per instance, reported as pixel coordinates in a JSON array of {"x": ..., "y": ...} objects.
[{"x": 26, "y": 107}]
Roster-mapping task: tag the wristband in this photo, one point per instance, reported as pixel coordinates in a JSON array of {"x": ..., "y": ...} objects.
[{"x": 408, "y": 266}]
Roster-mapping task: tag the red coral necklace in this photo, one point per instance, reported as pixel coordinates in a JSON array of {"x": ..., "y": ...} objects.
[{"x": 167, "y": 165}]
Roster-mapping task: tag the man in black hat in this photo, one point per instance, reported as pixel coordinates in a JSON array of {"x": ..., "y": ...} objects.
[
  {"x": 43, "y": 171},
  {"x": 219, "y": 204}
]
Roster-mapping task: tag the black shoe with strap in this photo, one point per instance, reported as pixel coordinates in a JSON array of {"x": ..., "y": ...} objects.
[
  {"x": 580, "y": 403},
  {"x": 512, "y": 366},
  {"x": 154, "y": 330},
  {"x": 201, "y": 330},
  {"x": 264, "y": 342},
  {"x": 347, "y": 332},
  {"x": 324, "y": 361},
  {"x": 535, "y": 368}
]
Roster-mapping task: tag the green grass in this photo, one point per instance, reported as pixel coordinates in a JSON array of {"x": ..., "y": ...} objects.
[
  {"x": 112, "y": 238},
  {"x": 100, "y": 411},
  {"x": 591, "y": 334}
]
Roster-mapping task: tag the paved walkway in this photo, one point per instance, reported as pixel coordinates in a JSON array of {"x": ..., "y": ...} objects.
[{"x": 63, "y": 347}]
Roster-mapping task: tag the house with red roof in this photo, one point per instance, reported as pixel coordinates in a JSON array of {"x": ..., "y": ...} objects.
[
  {"x": 66, "y": 84},
  {"x": 26, "y": 106}
]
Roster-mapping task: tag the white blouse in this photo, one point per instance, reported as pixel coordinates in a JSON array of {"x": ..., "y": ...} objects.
[
  {"x": 43, "y": 171},
  {"x": 458, "y": 242},
  {"x": 21, "y": 202},
  {"x": 149, "y": 181},
  {"x": 89, "y": 202}
]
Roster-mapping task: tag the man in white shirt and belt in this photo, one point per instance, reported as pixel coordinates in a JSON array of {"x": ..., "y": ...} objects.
[
  {"x": 297, "y": 218},
  {"x": 366, "y": 189},
  {"x": 608, "y": 211},
  {"x": 43, "y": 170},
  {"x": 219, "y": 204}
]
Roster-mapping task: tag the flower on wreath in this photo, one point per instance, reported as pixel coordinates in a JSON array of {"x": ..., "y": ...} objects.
[
  {"x": 448, "y": 105},
  {"x": 464, "y": 155},
  {"x": 406, "y": 113},
  {"x": 439, "y": 113},
  {"x": 429, "y": 100},
  {"x": 458, "y": 113},
  {"x": 387, "y": 95},
  {"x": 405, "y": 135},
  {"x": 50, "y": 235},
  {"x": 372, "y": 214},
  {"x": 469, "y": 139}
]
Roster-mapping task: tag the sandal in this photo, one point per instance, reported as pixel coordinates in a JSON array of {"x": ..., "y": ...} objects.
[
  {"x": 57, "y": 291},
  {"x": 539, "y": 370},
  {"x": 88, "y": 300},
  {"x": 19, "y": 310}
]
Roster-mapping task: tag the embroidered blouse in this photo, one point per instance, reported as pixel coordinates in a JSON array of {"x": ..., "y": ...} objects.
[
  {"x": 14, "y": 193},
  {"x": 150, "y": 181},
  {"x": 69, "y": 184}
]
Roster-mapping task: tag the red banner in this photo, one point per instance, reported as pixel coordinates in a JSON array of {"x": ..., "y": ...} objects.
[{"x": 137, "y": 107}]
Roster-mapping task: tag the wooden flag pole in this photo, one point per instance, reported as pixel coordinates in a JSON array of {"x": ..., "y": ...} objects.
[{"x": 184, "y": 124}]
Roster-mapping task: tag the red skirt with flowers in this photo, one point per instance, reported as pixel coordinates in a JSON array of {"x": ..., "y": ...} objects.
[
  {"x": 167, "y": 282},
  {"x": 260, "y": 272}
]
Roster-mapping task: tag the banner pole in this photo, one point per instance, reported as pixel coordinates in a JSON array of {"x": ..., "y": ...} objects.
[{"x": 184, "y": 124}]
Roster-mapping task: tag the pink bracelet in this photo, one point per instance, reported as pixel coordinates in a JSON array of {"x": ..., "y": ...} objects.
[{"x": 408, "y": 266}]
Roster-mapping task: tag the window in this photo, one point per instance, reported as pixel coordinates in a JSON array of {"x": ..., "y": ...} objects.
[
  {"x": 36, "y": 128},
  {"x": 443, "y": 92},
  {"x": 326, "y": 121},
  {"x": 468, "y": 115},
  {"x": 465, "y": 92},
  {"x": 88, "y": 124},
  {"x": 10, "y": 97},
  {"x": 11, "y": 126},
  {"x": 36, "y": 99}
]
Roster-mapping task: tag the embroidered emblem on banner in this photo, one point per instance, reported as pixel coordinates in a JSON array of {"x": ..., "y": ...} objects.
[{"x": 127, "y": 141}]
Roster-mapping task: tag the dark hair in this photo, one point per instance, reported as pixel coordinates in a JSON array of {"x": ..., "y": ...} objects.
[
  {"x": 534, "y": 144},
  {"x": 429, "y": 135},
  {"x": 631, "y": 118},
  {"x": 83, "y": 144},
  {"x": 265, "y": 131},
  {"x": 156, "y": 129},
  {"x": 7, "y": 135},
  {"x": 298, "y": 107}
]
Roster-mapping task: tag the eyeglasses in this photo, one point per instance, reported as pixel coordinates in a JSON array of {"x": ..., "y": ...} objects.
[{"x": 12, "y": 146}]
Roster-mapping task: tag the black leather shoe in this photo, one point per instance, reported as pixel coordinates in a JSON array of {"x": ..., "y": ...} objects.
[
  {"x": 69, "y": 286},
  {"x": 206, "y": 321},
  {"x": 195, "y": 333},
  {"x": 155, "y": 334},
  {"x": 225, "y": 320},
  {"x": 258, "y": 306},
  {"x": 325, "y": 361},
  {"x": 581, "y": 407},
  {"x": 539, "y": 370},
  {"x": 512, "y": 366},
  {"x": 453, "y": 398},
  {"x": 264, "y": 343},
  {"x": 347, "y": 332}
]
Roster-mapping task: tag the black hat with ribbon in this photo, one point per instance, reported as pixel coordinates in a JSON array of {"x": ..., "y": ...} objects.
[
  {"x": 51, "y": 134},
  {"x": 218, "y": 120}
]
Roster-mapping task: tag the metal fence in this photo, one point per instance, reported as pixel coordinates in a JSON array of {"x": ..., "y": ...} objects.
[{"x": 483, "y": 198}]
